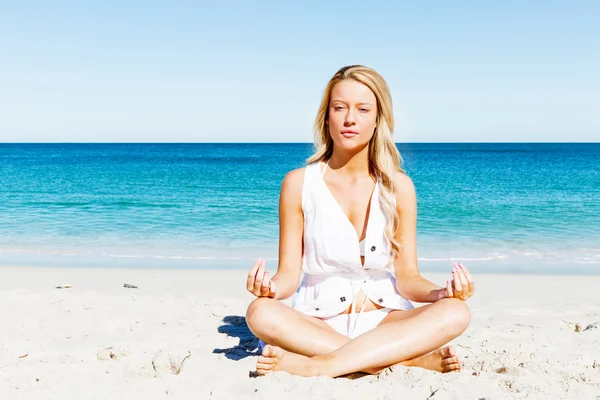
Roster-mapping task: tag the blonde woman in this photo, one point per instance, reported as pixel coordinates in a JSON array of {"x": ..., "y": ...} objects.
[{"x": 348, "y": 221}]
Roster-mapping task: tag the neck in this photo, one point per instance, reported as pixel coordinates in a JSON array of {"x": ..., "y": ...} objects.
[{"x": 350, "y": 164}]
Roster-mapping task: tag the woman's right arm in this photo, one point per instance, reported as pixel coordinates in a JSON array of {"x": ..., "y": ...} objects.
[{"x": 291, "y": 230}]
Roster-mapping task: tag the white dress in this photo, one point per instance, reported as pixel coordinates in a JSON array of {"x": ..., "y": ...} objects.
[{"x": 333, "y": 274}]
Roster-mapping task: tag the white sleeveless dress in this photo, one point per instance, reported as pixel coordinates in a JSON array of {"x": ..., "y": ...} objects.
[{"x": 333, "y": 274}]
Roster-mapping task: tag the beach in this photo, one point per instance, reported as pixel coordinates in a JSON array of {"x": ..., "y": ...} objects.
[
  {"x": 182, "y": 334},
  {"x": 150, "y": 155}
]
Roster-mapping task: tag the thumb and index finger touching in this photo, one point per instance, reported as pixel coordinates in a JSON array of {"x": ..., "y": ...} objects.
[
  {"x": 461, "y": 285},
  {"x": 259, "y": 282}
]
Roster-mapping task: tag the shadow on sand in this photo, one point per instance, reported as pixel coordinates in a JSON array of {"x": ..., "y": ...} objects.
[{"x": 235, "y": 326}]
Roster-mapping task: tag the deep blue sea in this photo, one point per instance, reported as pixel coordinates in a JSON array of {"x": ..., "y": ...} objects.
[{"x": 531, "y": 208}]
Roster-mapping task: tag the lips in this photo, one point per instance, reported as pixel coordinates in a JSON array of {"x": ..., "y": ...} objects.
[{"x": 348, "y": 133}]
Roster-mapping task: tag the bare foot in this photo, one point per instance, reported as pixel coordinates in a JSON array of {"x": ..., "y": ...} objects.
[
  {"x": 276, "y": 359},
  {"x": 441, "y": 360}
]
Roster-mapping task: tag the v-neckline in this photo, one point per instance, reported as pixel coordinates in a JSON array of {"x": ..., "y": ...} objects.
[{"x": 369, "y": 207}]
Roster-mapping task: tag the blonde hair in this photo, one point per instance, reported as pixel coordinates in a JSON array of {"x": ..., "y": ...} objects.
[{"x": 384, "y": 158}]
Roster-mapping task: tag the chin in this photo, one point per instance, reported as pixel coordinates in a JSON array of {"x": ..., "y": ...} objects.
[{"x": 350, "y": 144}]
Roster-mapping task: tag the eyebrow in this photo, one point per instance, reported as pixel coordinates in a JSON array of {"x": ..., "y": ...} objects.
[{"x": 359, "y": 104}]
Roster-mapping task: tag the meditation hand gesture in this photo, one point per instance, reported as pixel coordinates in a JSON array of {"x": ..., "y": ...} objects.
[
  {"x": 259, "y": 283},
  {"x": 461, "y": 286}
]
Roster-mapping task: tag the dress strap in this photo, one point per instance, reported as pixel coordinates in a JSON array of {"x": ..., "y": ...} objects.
[{"x": 326, "y": 164}]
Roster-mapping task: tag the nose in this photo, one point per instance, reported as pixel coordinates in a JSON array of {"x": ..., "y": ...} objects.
[{"x": 350, "y": 118}]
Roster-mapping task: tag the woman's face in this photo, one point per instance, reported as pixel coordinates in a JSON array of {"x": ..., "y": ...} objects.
[{"x": 352, "y": 114}]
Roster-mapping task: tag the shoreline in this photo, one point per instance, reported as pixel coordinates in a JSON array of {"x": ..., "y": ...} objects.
[{"x": 431, "y": 268}]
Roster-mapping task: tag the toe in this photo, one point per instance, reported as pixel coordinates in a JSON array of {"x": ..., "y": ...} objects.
[
  {"x": 272, "y": 351},
  {"x": 450, "y": 360},
  {"x": 265, "y": 360},
  {"x": 455, "y": 367},
  {"x": 263, "y": 366},
  {"x": 445, "y": 352},
  {"x": 267, "y": 350}
]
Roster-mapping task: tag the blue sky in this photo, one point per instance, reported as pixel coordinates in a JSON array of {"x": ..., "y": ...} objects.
[{"x": 231, "y": 71}]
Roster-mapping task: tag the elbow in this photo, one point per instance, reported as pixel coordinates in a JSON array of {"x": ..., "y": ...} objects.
[
  {"x": 404, "y": 285},
  {"x": 405, "y": 292}
]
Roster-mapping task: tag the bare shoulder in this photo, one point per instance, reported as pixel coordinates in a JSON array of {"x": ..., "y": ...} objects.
[
  {"x": 404, "y": 185},
  {"x": 291, "y": 187},
  {"x": 294, "y": 179},
  {"x": 406, "y": 197}
]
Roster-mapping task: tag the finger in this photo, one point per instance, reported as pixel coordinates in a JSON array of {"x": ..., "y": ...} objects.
[
  {"x": 259, "y": 276},
  {"x": 457, "y": 286},
  {"x": 264, "y": 288},
  {"x": 449, "y": 289},
  {"x": 469, "y": 279},
  {"x": 463, "y": 279},
  {"x": 272, "y": 288},
  {"x": 252, "y": 275}
]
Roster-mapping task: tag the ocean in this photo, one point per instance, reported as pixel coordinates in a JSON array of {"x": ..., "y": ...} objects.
[{"x": 496, "y": 207}]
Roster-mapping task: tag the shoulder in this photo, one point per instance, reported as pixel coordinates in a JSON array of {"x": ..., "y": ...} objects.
[
  {"x": 405, "y": 189},
  {"x": 294, "y": 179},
  {"x": 404, "y": 185},
  {"x": 291, "y": 187}
]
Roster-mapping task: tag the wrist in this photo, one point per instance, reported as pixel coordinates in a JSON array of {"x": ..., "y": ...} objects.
[
  {"x": 285, "y": 286},
  {"x": 440, "y": 294}
]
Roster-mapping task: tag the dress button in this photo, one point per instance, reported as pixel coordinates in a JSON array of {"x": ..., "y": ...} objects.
[
  {"x": 342, "y": 299},
  {"x": 380, "y": 300},
  {"x": 373, "y": 248},
  {"x": 317, "y": 308}
]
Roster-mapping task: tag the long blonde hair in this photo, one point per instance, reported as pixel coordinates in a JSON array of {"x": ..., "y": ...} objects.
[{"x": 384, "y": 158}]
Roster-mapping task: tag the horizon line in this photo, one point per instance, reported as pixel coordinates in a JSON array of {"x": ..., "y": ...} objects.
[{"x": 251, "y": 143}]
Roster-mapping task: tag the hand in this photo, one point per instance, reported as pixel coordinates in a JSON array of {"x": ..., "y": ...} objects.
[
  {"x": 259, "y": 283},
  {"x": 461, "y": 286}
]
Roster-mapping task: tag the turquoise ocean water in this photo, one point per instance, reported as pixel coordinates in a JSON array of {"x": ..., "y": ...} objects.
[{"x": 532, "y": 208}]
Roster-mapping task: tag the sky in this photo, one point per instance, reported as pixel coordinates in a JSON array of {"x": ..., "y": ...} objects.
[{"x": 242, "y": 71}]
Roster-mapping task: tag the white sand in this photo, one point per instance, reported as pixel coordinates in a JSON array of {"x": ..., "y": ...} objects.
[{"x": 99, "y": 340}]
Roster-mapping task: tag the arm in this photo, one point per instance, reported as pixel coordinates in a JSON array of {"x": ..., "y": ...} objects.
[
  {"x": 291, "y": 231},
  {"x": 411, "y": 285}
]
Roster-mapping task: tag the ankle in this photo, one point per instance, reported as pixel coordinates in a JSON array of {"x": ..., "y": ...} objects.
[
  {"x": 408, "y": 363},
  {"x": 319, "y": 365}
]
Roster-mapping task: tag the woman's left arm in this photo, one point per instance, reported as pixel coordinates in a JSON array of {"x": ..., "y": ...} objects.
[{"x": 411, "y": 285}]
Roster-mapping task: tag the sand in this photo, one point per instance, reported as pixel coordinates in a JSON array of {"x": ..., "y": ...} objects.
[{"x": 181, "y": 334}]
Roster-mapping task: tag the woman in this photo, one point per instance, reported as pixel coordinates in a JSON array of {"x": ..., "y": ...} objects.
[{"x": 348, "y": 221}]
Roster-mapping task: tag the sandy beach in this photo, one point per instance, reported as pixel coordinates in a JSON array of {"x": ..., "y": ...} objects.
[{"x": 181, "y": 334}]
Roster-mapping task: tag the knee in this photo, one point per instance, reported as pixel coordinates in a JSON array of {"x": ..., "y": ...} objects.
[
  {"x": 457, "y": 317},
  {"x": 259, "y": 313}
]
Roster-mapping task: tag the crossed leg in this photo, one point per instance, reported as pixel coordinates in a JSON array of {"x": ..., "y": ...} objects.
[{"x": 307, "y": 346}]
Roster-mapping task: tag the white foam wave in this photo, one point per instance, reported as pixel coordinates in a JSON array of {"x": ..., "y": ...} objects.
[
  {"x": 547, "y": 256},
  {"x": 462, "y": 258}
]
